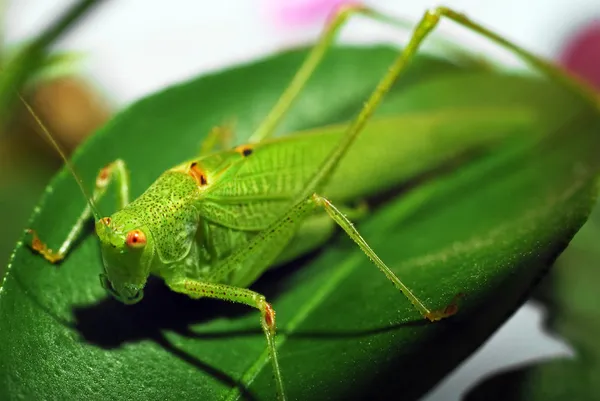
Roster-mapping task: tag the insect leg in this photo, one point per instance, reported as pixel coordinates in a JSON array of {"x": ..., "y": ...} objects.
[
  {"x": 347, "y": 226},
  {"x": 116, "y": 169},
  {"x": 432, "y": 17},
  {"x": 256, "y": 257},
  {"x": 267, "y": 127},
  {"x": 198, "y": 289}
]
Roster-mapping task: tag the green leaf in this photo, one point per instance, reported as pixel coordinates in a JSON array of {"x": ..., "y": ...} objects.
[
  {"x": 571, "y": 294},
  {"x": 488, "y": 228}
]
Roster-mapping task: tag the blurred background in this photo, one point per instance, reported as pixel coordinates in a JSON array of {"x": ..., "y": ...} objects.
[{"x": 118, "y": 52}]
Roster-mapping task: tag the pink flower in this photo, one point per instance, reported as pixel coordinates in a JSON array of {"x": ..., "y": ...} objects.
[
  {"x": 297, "y": 13},
  {"x": 581, "y": 55}
]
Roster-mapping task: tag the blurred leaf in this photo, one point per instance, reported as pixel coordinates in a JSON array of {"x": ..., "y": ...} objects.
[
  {"x": 489, "y": 228},
  {"x": 17, "y": 70},
  {"x": 56, "y": 65}
]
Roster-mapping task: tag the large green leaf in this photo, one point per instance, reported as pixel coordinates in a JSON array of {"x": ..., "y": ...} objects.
[{"x": 488, "y": 228}]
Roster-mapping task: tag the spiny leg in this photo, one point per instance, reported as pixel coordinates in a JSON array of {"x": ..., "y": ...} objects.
[
  {"x": 116, "y": 169},
  {"x": 198, "y": 289},
  {"x": 269, "y": 124},
  {"x": 353, "y": 233}
]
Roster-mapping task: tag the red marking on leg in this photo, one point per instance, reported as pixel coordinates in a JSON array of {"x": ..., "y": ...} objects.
[
  {"x": 448, "y": 311},
  {"x": 36, "y": 243},
  {"x": 38, "y": 246},
  {"x": 269, "y": 316},
  {"x": 103, "y": 176}
]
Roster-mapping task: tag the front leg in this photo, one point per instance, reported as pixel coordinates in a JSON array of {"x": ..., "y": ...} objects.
[
  {"x": 116, "y": 169},
  {"x": 197, "y": 289},
  {"x": 250, "y": 261}
]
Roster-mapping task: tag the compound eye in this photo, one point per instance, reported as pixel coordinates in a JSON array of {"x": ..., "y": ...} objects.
[{"x": 136, "y": 239}]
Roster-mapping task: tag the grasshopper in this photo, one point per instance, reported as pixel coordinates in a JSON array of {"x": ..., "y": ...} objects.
[{"x": 212, "y": 225}]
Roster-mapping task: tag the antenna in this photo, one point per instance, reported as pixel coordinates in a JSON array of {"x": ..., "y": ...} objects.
[{"x": 51, "y": 139}]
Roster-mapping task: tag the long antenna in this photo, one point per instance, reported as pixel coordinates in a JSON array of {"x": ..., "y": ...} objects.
[{"x": 51, "y": 139}]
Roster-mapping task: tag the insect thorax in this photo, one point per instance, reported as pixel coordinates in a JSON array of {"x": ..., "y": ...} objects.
[{"x": 167, "y": 209}]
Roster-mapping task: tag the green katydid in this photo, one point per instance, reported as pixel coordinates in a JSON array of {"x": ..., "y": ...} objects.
[{"x": 212, "y": 225}]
